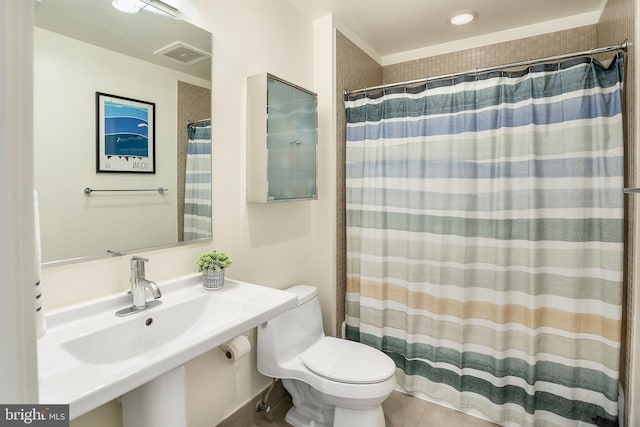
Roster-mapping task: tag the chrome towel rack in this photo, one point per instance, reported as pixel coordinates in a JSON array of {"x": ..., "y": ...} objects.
[
  {"x": 161, "y": 190},
  {"x": 631, "y": 190}
]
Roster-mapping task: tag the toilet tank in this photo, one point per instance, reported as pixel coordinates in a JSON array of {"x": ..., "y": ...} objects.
[{"x": 291, "y": 332}]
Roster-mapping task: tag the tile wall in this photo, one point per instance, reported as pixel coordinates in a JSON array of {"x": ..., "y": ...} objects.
[
  {"x": 354, "y": 70},
  {"x": 560, "y": 42}
]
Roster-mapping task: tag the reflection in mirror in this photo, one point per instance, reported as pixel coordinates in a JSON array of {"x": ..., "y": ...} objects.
[
  {"x": 82, "y": 47},
  {"x": 196, "y": 221}
]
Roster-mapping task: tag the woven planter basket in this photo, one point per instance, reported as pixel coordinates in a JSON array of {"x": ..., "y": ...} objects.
[{"x": 213, "y": 280}]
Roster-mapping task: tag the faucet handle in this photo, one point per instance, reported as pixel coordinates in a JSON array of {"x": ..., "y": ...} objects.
[{"x": 137, "y": 268}]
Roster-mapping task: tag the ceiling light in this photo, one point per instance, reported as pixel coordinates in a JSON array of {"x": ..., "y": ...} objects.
[
  {"x": 463, "y": 17},
  {"x": 129, "y": 6}
]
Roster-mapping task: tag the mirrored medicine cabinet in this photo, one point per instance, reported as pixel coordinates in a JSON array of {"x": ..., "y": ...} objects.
[{"x": 282, "y": 138}]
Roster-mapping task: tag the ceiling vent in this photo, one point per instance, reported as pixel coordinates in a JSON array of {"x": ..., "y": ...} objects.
[{"x": 182, "y": 53}]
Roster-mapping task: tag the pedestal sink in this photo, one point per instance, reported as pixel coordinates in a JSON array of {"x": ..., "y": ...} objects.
[
  {"x": 146, "y": 331},
  {"x": 89, "y": 356}
]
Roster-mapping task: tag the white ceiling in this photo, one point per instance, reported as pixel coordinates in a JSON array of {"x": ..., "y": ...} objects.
[
  {"x": 389, "y": 27},
  {"x": 138, "y": 35},
  {"x": 390, "y": 31}
]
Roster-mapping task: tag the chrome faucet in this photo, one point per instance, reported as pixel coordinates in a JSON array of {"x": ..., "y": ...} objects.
[{"x": 139, "y": 286}]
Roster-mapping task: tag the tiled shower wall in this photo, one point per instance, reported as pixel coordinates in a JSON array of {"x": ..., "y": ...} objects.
[
  {"x": 560, "y": 42},
  {"x": 354, "y": 69},
  {"x": 194, "y": 103}
]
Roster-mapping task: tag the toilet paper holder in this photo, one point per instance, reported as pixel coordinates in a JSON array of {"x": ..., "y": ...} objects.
[{"x": 236, "y": 349}]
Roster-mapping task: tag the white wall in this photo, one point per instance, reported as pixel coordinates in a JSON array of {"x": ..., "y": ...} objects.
[
  {"x": 277, "y": 245},
  {"x": 67, "y": 74},
  {"x": 324, "y": 217},
  {"x": 18, "y": 376}
]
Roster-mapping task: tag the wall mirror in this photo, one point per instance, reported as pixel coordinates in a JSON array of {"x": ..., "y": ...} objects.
[{"x": 86, "y": 47}]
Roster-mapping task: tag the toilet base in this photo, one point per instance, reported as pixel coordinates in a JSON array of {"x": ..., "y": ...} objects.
[
  {"x": 312, "y": 409},
  {"x": 342, "y": 418},
  {"x": 308, "y": 409},
  {"x": 358, "y": 417},
  {"x": 298, "y": 419}
]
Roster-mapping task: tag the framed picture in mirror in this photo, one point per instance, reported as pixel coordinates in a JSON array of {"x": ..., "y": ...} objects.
[{"x": 125, "y": 134}]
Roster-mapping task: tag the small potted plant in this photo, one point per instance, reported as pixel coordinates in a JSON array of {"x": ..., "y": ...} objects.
[{"x": 212, "y": 264}]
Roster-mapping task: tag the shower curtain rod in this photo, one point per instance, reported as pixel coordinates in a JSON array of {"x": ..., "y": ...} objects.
[
  {"x": 198, "y": 121},
  {"x": 622, "y": 46}
]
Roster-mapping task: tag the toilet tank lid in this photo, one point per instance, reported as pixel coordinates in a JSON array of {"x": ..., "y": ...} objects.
[{"x": 304, "y": 292}]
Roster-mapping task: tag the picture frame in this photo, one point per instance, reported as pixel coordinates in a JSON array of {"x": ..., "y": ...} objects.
[{"x": 125, "y": 134}]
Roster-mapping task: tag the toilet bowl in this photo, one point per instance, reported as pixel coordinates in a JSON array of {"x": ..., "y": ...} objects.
[{"x": 332, "y": 382}]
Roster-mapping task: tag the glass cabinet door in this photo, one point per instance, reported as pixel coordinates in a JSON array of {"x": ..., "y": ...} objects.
[{"x": 292, "y": 135}]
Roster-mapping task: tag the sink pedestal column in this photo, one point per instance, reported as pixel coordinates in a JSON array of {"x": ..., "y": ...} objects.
[{"x": 160, "y": 402}]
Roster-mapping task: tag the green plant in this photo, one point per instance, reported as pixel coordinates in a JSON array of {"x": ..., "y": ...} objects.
[{"x": 212, "y": 261}]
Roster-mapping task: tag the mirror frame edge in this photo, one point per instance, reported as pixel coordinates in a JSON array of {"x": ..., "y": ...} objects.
[{"x": 63, "y": 262}]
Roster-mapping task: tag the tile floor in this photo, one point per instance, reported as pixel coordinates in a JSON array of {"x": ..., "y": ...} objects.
[{"x": 401, "y": 410}]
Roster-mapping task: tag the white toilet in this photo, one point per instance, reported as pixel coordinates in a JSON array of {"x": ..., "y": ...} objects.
[{"x": 333, "y": 382}]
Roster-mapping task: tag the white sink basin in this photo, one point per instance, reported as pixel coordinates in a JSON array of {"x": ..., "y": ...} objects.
[
  {"x": 90, "y": 356},
  {"x": 138, "y": 334}
]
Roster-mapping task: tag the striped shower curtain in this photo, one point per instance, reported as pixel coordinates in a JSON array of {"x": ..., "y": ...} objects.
[
  {"x": 197, "y": 194},
  {"x": 484, "y": 239}
]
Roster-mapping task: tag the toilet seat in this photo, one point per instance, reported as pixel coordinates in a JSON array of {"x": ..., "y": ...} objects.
[{"x": 347, "y": 361}]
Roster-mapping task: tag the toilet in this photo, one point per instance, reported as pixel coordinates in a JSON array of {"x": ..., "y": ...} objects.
[{"x": 332, "y": 382}]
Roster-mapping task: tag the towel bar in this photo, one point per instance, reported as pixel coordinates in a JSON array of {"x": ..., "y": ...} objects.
[{"x": 89, "y": 190}]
